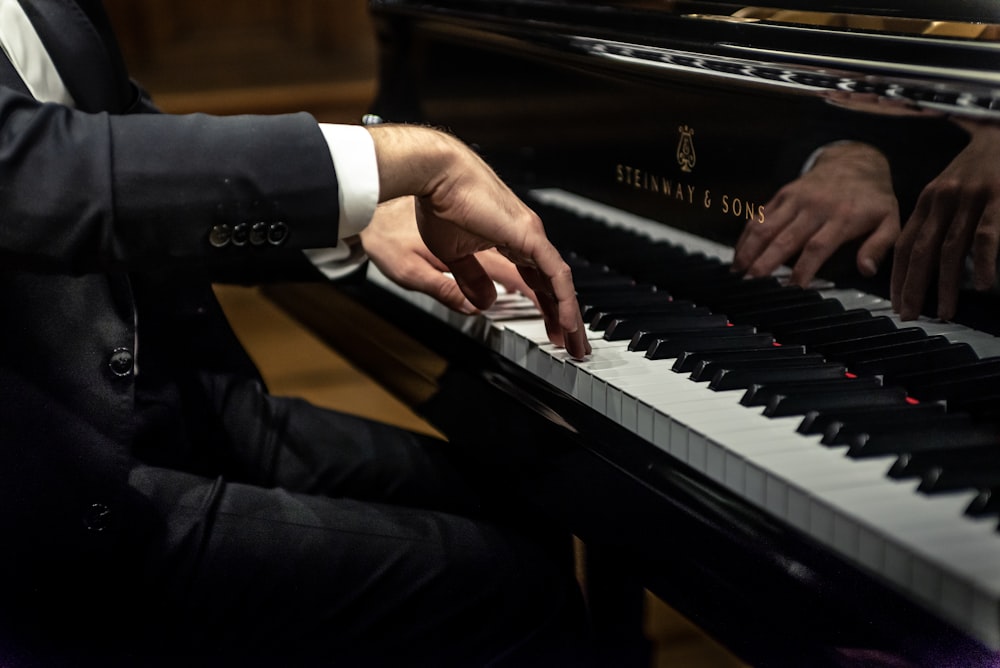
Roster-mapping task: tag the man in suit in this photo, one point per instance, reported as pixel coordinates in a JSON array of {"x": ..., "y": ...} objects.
[{"x": 155, "y": 501}]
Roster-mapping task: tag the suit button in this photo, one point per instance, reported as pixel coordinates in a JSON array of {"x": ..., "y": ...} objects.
[
  {"x": 241, "y": 233},
  {"x": 220, "y": 235},
  {"x": 121, "y": 362},
  {"x": 97, "y": 517},
  {"x": 258, "y": 234},
  {"x": 277, "y": 233}
]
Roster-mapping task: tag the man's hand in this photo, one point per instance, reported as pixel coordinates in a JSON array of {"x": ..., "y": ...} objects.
[
  {"x": 957, "y": 212},
  {"x": 393, "y": 243},
  {"x": 463, "y": 208},
  {"x": 847, "y": 194}
]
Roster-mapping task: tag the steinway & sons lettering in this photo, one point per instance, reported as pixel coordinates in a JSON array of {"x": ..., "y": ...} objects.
[{"x": 688, "y": 193}]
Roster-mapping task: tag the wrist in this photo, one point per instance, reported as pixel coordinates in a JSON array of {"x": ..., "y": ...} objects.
[{"x": 412, "y": 160}]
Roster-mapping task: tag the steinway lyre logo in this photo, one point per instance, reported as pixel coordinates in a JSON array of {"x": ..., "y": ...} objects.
[{"x": 685, "y": 149}]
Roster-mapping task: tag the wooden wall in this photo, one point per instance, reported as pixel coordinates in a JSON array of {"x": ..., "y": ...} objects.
[{"x": 267, "y": 56}]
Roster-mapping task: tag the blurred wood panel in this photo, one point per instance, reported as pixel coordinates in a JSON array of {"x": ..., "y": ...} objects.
[{"x": 251, "y": 56}]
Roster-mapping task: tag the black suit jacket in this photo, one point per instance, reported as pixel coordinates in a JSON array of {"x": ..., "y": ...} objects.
[{"x": 112, "y": 215}]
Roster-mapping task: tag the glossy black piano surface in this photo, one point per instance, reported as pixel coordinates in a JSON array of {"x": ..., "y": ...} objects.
[
  {"x": 690, "y": 116},
  {"x": 602, "y": 97}
]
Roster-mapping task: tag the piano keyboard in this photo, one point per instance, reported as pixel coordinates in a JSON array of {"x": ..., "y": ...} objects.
[{"x": 927, "y": 545}]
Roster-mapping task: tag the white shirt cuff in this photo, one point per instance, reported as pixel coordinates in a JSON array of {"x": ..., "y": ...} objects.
[
  {"x": 353, "y": 153},
  {"x": 338, "y": 261}
]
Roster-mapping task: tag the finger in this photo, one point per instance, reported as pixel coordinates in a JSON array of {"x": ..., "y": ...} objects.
[
  {"x": 574, "y": 341},
  {"x": 815, "y": 252},
  {"x": 504, "y": 272},
  {"x": 786, "y": 243},
  {"x": 922, "y": 261},
  {"x": 954, "y": 249},
  {"x": 429, "y": 279},
  {"x": 756, "y": 236},
  {"x": 556, "y": 274},
  {"x": 904, "y": 249},
  {"x": 473, "y": 280},
  {"x": 986, "y": 249},
  {"x": 878, "y": 244}
]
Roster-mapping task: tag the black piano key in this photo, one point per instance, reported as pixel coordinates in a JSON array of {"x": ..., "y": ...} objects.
[
  {"x": 926, "y": 344},
  {"x": 760, "y": 394},
  {"x": 774, "y": 316},
  {"x": 817, "y": 422},
  {"x": 851, "y": 324},
  {"x": 966, "y": 371},
  {"x": 650, "y": 338},
  {"x": 919, "y": 464},
  {"x": 762, "y": 294},
  {"x": 636, "y": 328},
  {"x": 836, "y": 348},
  {"x": 955, "y": 353},
  {"x": 983, "y": 407},
  {"x": 592, "y": 302},
  {"x": 950, "y": 470},
  {"x": 687, "y": 361},
  {"x": 842, "y": 432},
  {"x": 690, "y": 334},
  {"x": 799, "y": 404},
  {"x": 762, "y": 301},
  {"x": 672, "y": 347},
  {"x": 826, "y": 321},
  {"x": 977, "y": 472},
  {"x": 723, "y": 286},
  {"x": 602, "y": 319},
  {"x": 736, "y": 379},
  {"x": 686, "y": 278},
  {"x": 946, "y": 432},
  {"x": 584, "y": 268},
  {"x": 589, "y": 285},
  {"x": 706, "y": 369},
  {"x": 986, "y": 503},
  {"x": 948, "y": 389}
]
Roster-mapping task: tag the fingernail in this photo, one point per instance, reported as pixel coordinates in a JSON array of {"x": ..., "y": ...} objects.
[
  {"x": 869, "y": 267},
  {"x": 467, "y": 308}
]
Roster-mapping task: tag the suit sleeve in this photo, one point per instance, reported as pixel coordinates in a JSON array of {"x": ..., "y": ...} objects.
[{"x": 91, "y": 192}]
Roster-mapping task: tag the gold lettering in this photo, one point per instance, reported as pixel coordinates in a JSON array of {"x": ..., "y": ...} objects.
[
  {"x": 679, "y": 193},
  {"x": 690, "y": 194},
  {"x": 725, "y": 204},
  {"x": 760, "y": 214},
  {"x": 638, "y": 175},
  {"x": 708, "y": 199},
  {"x": 751, "y": 211},
  {"x": 619, "y": 173},
  {"x": 668, "y": 187},
  {"x": 654, "y": 184}
]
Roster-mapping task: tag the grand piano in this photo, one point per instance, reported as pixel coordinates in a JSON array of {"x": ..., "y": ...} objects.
[{"x": 847, "y": 518}]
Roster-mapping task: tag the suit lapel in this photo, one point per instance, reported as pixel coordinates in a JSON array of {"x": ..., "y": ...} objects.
[{"x": 78, "y": 37}]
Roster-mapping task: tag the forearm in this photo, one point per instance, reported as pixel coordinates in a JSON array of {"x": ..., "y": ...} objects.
[{"x": 85, "y": 192}]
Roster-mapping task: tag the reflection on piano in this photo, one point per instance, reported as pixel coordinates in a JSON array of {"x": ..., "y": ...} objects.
[{"x": 810, "y": 479}]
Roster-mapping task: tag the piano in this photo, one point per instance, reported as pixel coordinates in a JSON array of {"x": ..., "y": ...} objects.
[{"x": 809, "y": 479}]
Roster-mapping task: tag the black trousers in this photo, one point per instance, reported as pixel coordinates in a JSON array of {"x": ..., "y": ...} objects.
[
  {"x": 266, "y": 531},
  {"x": 293, "y": 535}
]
